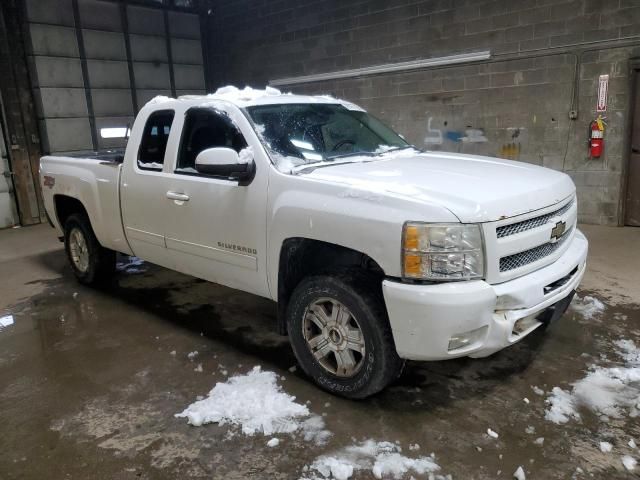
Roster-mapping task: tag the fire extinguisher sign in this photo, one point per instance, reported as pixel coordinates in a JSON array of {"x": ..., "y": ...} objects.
[{"x": 603, "y": 88}]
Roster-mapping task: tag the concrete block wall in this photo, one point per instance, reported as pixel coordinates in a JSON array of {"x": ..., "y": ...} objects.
[
  {"x": 546, "y": 60},
  {"x": 165, "y": 58}
]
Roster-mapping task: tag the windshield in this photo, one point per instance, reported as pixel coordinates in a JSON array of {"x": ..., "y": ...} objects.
[{"x": 302, "y": 134}]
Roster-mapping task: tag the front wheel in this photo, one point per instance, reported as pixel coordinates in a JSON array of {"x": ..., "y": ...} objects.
[
  {"x": 90, "y": 261},
  {"x": 340, "y": 334}
]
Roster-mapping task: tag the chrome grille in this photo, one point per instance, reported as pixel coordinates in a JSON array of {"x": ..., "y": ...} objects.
[
  {"x": 534, "y": 254},
  {"x": 535, "y": 222}
]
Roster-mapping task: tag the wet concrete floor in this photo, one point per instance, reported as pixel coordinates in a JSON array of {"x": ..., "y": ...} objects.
[{"x": 90, "y": 380}]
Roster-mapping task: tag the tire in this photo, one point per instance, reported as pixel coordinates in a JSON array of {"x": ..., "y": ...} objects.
[
  {"x": 357, "y": 297},
  {"x": 91, "y": 262}
]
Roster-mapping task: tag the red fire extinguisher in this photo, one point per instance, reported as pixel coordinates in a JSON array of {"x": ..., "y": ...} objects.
[{"x": 596, "y": 137}]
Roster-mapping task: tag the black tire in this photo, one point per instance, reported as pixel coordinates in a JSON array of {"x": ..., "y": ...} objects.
[
  {"x": 101, "y": 262},
  {"x": 362, "y": 296}
]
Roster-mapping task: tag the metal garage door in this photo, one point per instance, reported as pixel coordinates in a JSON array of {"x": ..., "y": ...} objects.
[{"x": 96, "y": 63}]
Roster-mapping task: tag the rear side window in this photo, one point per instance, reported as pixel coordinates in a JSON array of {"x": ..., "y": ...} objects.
[
  {"x": 154, "y": 140},
  {"x": 206, "y": 128}
]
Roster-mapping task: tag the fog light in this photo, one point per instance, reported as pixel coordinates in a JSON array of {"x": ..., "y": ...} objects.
[{"x": 465, "y": 339}]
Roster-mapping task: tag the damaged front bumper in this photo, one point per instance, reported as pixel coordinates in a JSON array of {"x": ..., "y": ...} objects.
[{"x": 476, "y": 319}]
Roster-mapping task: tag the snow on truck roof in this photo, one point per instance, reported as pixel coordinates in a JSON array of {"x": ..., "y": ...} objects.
[{"x": 248, "y": 96}]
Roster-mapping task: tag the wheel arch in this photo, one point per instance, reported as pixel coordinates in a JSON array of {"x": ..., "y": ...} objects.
[
  {"x": 65, "y": 206},
  {"x": 301, "y": 257}
]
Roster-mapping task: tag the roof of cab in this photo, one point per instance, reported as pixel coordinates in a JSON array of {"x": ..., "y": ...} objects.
[{"x": 248, "y": 97}]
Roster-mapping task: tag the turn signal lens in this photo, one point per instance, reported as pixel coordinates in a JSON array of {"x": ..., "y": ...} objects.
[
  {"x": 411, "y": 238},
  {"x": 412, "y": 264}
]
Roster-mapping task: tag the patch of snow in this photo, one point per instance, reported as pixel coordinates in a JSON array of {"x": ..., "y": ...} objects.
[
  {"x": 75, "y": 294},
  {"x": 561, "y": 406},
  {"x": 327, "y": 405},
  {"x": 247, "y": 94},
  {"x": 257, "y": 405},
  {"x": 629, "y": 463},
  {"x": 192, "y": 355},
  {"x": 274, "y": 442},
  {"x": 158, "y": 99},
  {"x": 530, "y": 430},
  {"x": 414, "y": 446},
  {"x": 186, "y": 170},
  {"x": 587, "y": 306},
  {"x": 172, "y": 352},
  {"x": 292, "y": 369},
  {"x": 632, "y": 443},
  {"x": 539, "y": 441},
  {"x": 525, "y": 400},
  {"x": 519, "y": 474},
  {"x": 245, "y": 155},
  {"x": 6, "y": 321},
  {"x": 608, "y": 391},
  {"x": 381, "y": 459},
  {"x": 130, "y": 264},
  {"x": 198, "y": 368},
  {"x": 491, "y": 433},
  {"x": 537, "y": 390},
  {"x": 605, "y": 447}
]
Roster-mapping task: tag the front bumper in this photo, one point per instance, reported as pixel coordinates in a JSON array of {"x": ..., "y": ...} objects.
[{"x": 424, "y": 318}]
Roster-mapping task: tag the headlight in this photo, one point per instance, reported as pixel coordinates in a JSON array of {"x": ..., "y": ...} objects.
[{"x": 441, "y": 252}]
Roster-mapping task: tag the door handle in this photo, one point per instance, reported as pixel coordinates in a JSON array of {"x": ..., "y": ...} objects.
[{"x": 181, "y": 197}]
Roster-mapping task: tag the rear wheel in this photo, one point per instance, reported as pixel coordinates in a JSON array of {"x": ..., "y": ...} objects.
[
  {"x": 340, "y": 334},
  {"x": 90, "y": 262}
]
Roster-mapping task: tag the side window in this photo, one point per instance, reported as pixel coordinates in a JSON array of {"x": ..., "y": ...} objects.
[
  {"x": 154, "y": 140},
  {"x": 206, "y": 128}
]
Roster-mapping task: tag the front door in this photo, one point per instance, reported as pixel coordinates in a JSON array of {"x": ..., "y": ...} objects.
[
  {"x": 216, "y": 229},
  {"x": 632, "y": 210}
]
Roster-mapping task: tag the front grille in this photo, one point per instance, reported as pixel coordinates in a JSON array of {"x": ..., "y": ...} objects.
[
  {"x": 521, "y": 259},
  {"x": 535, "y": 222}
]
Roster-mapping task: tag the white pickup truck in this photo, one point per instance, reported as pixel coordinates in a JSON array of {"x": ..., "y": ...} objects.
[{"x": 375, "y": 251}]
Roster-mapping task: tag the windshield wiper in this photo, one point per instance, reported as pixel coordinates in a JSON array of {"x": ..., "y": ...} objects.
[
  {"x": 395, "y": 149},
  {"x": 350, "y": 154}
]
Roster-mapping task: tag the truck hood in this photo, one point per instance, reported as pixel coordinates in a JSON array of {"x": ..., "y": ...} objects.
[{"x": 473, "y": 188}]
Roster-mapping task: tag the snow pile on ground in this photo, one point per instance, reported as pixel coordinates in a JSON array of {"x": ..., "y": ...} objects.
[
  {"x": 256, "y": 403},
  {"x": 6, "y": 321},
  {"x": 629, "y": 463},
  {"x": 130, "y": 264},
  {"x": 607, "y": 391},
  {"x": 519, "y": 474},
  {"x": 382, "y": 459},
  {"x": 587, "y": 306}
]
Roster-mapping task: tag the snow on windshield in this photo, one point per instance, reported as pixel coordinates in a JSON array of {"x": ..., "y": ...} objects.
[{"x": 299, "y": 134}]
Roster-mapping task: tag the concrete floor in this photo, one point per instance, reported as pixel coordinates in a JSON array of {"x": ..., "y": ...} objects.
[{"x": 88, "y": 386}]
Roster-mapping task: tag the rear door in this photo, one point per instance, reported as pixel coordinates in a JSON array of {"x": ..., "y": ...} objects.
[
  {"x": 144, "y": 186},
  {"x": 215, "y": 228}
]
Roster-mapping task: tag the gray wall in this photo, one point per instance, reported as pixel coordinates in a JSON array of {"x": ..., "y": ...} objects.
[
  {"x": 546, "y": 59},
  {"x": 65, "y": 93}
]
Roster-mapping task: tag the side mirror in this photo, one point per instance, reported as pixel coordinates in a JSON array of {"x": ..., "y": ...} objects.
[{"x": 225, "y": 162}]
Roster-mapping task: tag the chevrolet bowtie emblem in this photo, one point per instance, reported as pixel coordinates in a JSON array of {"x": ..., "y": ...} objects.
[{"x": 558, "y": 231}]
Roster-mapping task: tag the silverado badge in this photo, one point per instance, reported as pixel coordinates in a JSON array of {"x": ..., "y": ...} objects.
[{"x": 558, "y": 231}]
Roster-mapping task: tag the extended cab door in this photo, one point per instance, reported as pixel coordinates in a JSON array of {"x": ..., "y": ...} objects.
[
  {"x": 144, "y": 185},
  {"x": 216, "y": 227}
]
